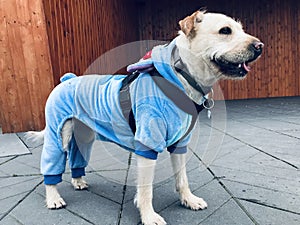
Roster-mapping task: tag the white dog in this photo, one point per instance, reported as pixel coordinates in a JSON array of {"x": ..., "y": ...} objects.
[{"x": 209, "y": 47}]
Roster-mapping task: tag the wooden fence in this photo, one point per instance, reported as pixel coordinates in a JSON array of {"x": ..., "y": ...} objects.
[
  {"x": 26, "y": 72},
  {"x": 42, "y": 39}
]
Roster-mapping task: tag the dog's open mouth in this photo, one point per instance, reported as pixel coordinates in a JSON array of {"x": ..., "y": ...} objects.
[{"x": 233, "y": 69}]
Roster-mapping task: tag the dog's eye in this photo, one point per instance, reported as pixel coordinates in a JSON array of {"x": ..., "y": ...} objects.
[{"x": 225, "y": 30}]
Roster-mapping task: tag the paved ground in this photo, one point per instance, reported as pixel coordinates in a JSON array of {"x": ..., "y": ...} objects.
[{"x": 248, "y": 173}]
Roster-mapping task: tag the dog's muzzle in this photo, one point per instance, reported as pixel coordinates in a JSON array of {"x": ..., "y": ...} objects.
[{"x": 239, "y": 67}]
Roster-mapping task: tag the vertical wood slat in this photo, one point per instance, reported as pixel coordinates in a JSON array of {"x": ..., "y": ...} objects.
[
  {"x": 297, "y": 40},
  {"x": 81, "y": 31},
  {"x": 25, "y": 61}
]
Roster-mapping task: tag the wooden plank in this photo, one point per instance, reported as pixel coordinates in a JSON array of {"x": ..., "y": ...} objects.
[
  {"x": 21, "y": 59},
  {"x": 297, "y": 47},
  {"x": 43, "y": 75},
  {"x": 16, "y": 40},
  {"x": 9, "y": 100}
]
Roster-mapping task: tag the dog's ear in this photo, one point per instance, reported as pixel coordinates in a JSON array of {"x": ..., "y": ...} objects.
[{"x": 188, "y": 24}]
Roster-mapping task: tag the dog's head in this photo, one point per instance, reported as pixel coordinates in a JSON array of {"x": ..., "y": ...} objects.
[{"x": 219, "y": 44}]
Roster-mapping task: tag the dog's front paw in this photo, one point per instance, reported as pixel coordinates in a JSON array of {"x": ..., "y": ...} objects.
[
  {"x": 53, "y": 199},
  {"x": 153, "y": 219},
  {"x": 193, "y": 202},
  {"x": 79, "y": 183}
]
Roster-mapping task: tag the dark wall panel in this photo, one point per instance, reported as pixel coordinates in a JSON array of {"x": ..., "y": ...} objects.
[
  {"x": 81, "y": 31},
  {"x": 276, "y": 23}
]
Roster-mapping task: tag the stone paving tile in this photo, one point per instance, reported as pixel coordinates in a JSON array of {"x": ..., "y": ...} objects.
[
  {"x": 6, "y": 204},
  {"x": 272, "y": 143},
  {"x": 16, "y": 168},
  {"x": 102, "y": 186},
  {"x": 225, "y": 216},
  {"x": 32, "y": 211},
  {"x": 212, "y": 193},
  {"x": 270, "y": 216},
  {"x": 264, "y": 196},
  {"x": 108, "y": 156},
  {"x": 11, "y": 145},
  {"x": 29, "y": 142},
  {"x": 12, "y": 186},
  {"x": 85, "y": 204},
  {"x": 5, "y": 159},
  {"x": 252, "y": 178},
  {"x": 166, "y": 202},
  {"x": 272, "y": 124},
  {"x": 258, "y": 179}
]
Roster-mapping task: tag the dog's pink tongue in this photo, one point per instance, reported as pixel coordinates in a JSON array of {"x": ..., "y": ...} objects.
[{"x": 246, "y": 67}]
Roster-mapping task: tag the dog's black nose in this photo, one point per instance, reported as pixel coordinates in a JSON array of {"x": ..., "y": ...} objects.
[{"x": 257, "y": 47}]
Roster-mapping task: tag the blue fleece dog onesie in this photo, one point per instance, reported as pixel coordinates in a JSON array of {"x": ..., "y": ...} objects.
[{"x": 94, "y": 101}]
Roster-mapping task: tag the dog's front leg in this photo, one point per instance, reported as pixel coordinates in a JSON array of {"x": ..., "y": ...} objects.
[
  {"x": 53, "y": 199},
  {"x": 143, "y": 199},
  {"x": 182, "y": 186}
]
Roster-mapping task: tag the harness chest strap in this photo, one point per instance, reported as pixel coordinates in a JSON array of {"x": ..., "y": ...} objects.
[{"x": 178, "y": 97}]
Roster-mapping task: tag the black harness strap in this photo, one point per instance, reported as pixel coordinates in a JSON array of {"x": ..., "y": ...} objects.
[
  {"x": 177, "y": 96},
  {"x": 125, "y": 100}
]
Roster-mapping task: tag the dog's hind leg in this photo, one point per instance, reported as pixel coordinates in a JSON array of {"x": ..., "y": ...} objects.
[
  {"x": 66, "y": 133},
  {"x": 143, "y": 199},
  {"x": 53, "y": 198},
  {"x": 182, "y": 186},
  {"x": 79, "y": 152}
]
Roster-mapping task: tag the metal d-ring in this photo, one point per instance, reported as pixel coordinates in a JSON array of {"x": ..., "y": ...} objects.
[{"x": 209, "y": 103}]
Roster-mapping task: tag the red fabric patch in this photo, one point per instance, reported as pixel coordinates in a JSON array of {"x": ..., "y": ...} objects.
[{"x": 148, "y": 55}]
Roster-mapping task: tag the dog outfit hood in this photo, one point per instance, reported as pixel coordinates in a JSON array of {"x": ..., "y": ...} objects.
[
  {"x": 165, "y": 59},
  {"x": 160, "y": 58}
]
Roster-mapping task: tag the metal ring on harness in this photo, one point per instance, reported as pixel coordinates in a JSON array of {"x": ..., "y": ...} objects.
[{"x": 209, "y": 103}]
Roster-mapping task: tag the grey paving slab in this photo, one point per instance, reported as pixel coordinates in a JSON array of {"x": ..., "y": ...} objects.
[
  {"x": 273, "y": 124},
  {"x": 293, "y": 133},
  {"x": 32, "y": 211},
  {"x": 101, "y": 186},
  {"x": 252, "y": 178},
  {"x": 248, "y": 159},
  {"x": 17, "y": 168},
  {"x": 6, "y": 204},
  {"x": 197, "y": 175},
  {"x": 258, "y": 179},
  {"x": 212, "y": 193},
  {"x": 29, "y": 142},
  {"x": 275, "y": 144},
  {"x": 5, "y": 159},
  {"x": 87, "y": 205},
  {"x": 9, "y": 220},
  {"x": 225, "y": 216},
  {"x": 165, "y": 196},
  {"x": 12, "y": 186},
  {"x": 130, "y": 214},
  {"x": 270, "y": 216},
  {"x": 11, "y": 145},
  {"x": 264, "y": 196}
]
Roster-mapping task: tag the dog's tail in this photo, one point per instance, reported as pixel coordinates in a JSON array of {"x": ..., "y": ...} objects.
[{"x": 35, "y": 136}]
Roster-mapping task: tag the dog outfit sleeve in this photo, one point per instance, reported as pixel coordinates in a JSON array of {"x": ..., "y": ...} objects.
[
  {"x": 181, "y": 146},
  {"x": 150, "y": 136}
]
